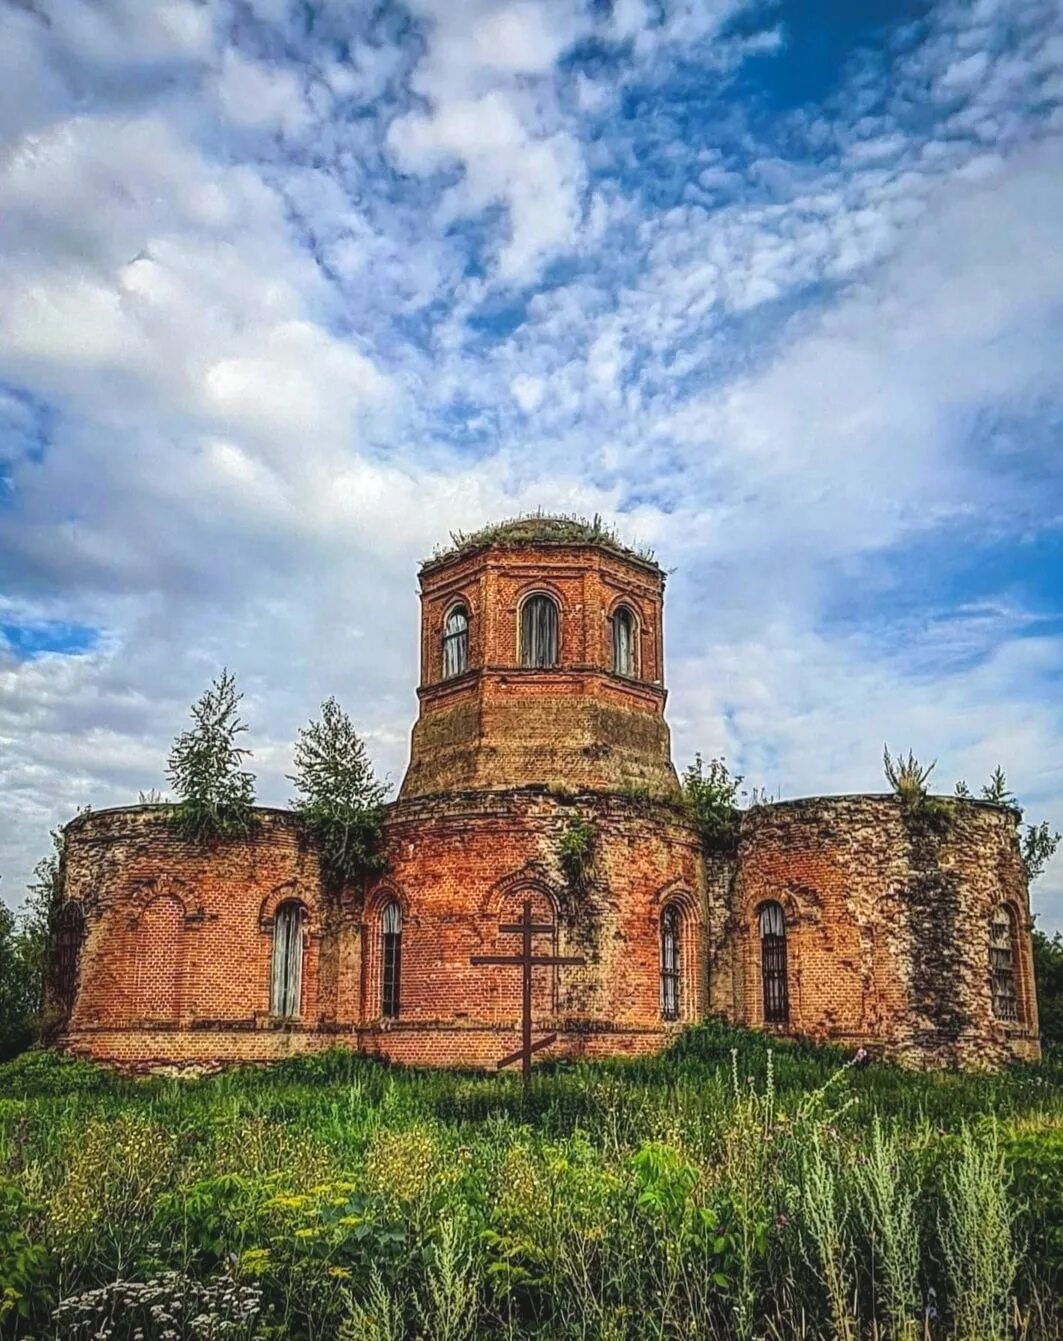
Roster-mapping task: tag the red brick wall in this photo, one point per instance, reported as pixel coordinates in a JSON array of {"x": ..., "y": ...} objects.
[
  {"x": 176, "y": 962},
  {"x": 887, "y": 930},
  {"x": 578, "y": 725}
]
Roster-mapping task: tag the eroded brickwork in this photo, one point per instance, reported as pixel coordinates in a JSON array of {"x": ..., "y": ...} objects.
[
  {"x": 886, "y": 917},
  {"x": 888, "y": 920}
]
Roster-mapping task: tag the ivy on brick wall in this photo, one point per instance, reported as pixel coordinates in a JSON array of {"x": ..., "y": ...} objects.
[{"x": 576, "y": 851}]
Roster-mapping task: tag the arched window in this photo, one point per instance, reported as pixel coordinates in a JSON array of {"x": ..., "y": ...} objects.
[
  {"x": 286, "y": 977},
  {"x": 623, "y": 641},
  {"x": 670, "y": 950},
  {"x": 456, "y": 642},
  {"x": 1002, "y": 964},
  {"x": 773, "y": 964},
  {"x": 69, "y": 933},
  {"x": 390, "y": 958},
  {"x": 538, "y": 632}
]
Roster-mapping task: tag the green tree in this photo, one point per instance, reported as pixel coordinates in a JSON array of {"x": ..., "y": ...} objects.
[
  {"x": 709, "y": 795},
  {"x": 18, "y": 995},
  {"x": 1048, "y": 972},
  {"x": 339, "y": 799},
  {"x": 215, "y": 794}
]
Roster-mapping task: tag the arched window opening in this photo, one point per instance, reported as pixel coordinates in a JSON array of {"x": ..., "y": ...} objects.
[
  {"x": 624, "y": 641},
  {"x": 390, "y": 959},
  {"x": 1002, "y": 964},
  {"x": 456, "y": 642},
  {"x": 69, "y": 934},
  {"x": 773, "y": 964},
  {"x": 670, "y": 951},
  {"x": 538, "y": 632},
  {"x": 286, "y": 979}
]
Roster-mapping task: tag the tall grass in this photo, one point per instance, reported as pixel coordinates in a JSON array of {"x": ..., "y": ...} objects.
[{"x": 722, "y": 1191}]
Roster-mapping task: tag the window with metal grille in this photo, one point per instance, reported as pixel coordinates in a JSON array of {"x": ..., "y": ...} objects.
[
  {"x": 69, "y": 934},
  {"x": 456, "y": 642},
  {"x": 286, "y": 978},
  {"x": 391, "y": 959},
  {"x": 1002, "y": 964},
  {"x": 670, "y": 948},
  {"x": 538, "y": 632},
  {"x": 773, "y": 964},
  {"x": 624, "y": 641}
]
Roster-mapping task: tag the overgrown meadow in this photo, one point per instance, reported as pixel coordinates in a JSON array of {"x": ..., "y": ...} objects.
[{"x": 724, "y": 1190}]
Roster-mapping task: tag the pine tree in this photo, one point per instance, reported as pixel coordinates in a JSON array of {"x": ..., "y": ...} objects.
[
  {"x": 215, "y": 794},
  {"x": 339, "y": 799}
]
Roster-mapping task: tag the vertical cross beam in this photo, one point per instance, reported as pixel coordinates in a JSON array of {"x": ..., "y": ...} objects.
[{"x": 527, "y": 959}]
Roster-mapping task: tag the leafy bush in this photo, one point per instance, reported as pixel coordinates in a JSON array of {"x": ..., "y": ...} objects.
[
  {"x": 709, "y": 797},
  {"x": 44, "y": 1071},
  {"x": 576, "y": 853},
  {"x": 719, "y": 1192}
]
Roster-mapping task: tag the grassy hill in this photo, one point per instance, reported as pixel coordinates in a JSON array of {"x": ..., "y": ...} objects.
[{"x": 723, "y": 1190}]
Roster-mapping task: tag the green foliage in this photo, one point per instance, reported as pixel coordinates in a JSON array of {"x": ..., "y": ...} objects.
[
  {"x": 44, "y": 1073},
  {"x": 339, "y": 799},
  {"x": 215, "y": 794},
  {"x": 18, "y": 989},
  {"x": 575, "y": 851},
  {"x": 1038, "y": 846},
  {"x": 997, "y": 790},
  {"x": 1048, "y": 974},
  {"x": 709, "y": 796},
  {"x": 908, "y": 777},
  {"x": 976, "y": 1225},
  {"x": 735, "y": 1187},
  {"x": 23, "y": 1258},
  {"x": 536, "y": 528}
]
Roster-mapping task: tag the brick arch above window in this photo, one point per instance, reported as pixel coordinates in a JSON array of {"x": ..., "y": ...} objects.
[
  {"x": 291, "y": 891},
  {"x": 531, "y": 877},
  {"x": 381, "y": 895},
  {"x": 147, "y": 892},
  {"x": 675, "y": 892}
]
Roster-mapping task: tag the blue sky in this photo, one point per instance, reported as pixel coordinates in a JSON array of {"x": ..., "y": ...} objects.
[{"x": 290, "y": 290}]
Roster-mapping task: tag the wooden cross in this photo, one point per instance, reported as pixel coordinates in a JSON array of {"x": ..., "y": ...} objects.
[{"x": 527, "y": 960}]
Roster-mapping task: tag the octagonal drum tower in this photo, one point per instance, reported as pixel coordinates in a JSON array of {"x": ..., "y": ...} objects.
[{"x": 541, "y": 716}]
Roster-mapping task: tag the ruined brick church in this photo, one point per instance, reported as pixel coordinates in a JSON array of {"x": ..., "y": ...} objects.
[{"x": 542, "y": 715}]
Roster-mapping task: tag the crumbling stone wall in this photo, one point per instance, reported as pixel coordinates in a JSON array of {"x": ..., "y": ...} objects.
[{"x": 887, "y": 925}]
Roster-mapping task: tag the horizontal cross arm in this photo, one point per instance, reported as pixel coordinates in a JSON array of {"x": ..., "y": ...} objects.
[
  {"x": 517, "y": 1056},
  {"x": 536, "y": 928}
]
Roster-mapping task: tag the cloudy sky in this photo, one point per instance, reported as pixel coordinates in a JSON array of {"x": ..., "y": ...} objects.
[{"x": 290, "y": 289}]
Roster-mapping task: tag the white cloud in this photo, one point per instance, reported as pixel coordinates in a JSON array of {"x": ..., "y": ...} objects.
[{"x": 251, "y": 375}]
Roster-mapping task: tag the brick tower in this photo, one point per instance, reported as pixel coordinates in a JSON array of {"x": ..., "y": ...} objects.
[{"x": 541, "y": 664}]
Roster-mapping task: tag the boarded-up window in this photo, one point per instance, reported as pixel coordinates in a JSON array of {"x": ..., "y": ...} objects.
[
  {"x": 670, "y": 952},
  {"x": 624, "y": 641},
  {"x": 456, "y": 642},
  {"x": 69, "y": 934},
  {"x": 538, "y": 632},
  {"x": 773, "y": 964},
  {"x": 286, "y": 969},
  {"x": 1002, "y": 964},
  {"x": 391, "y": 959}
]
